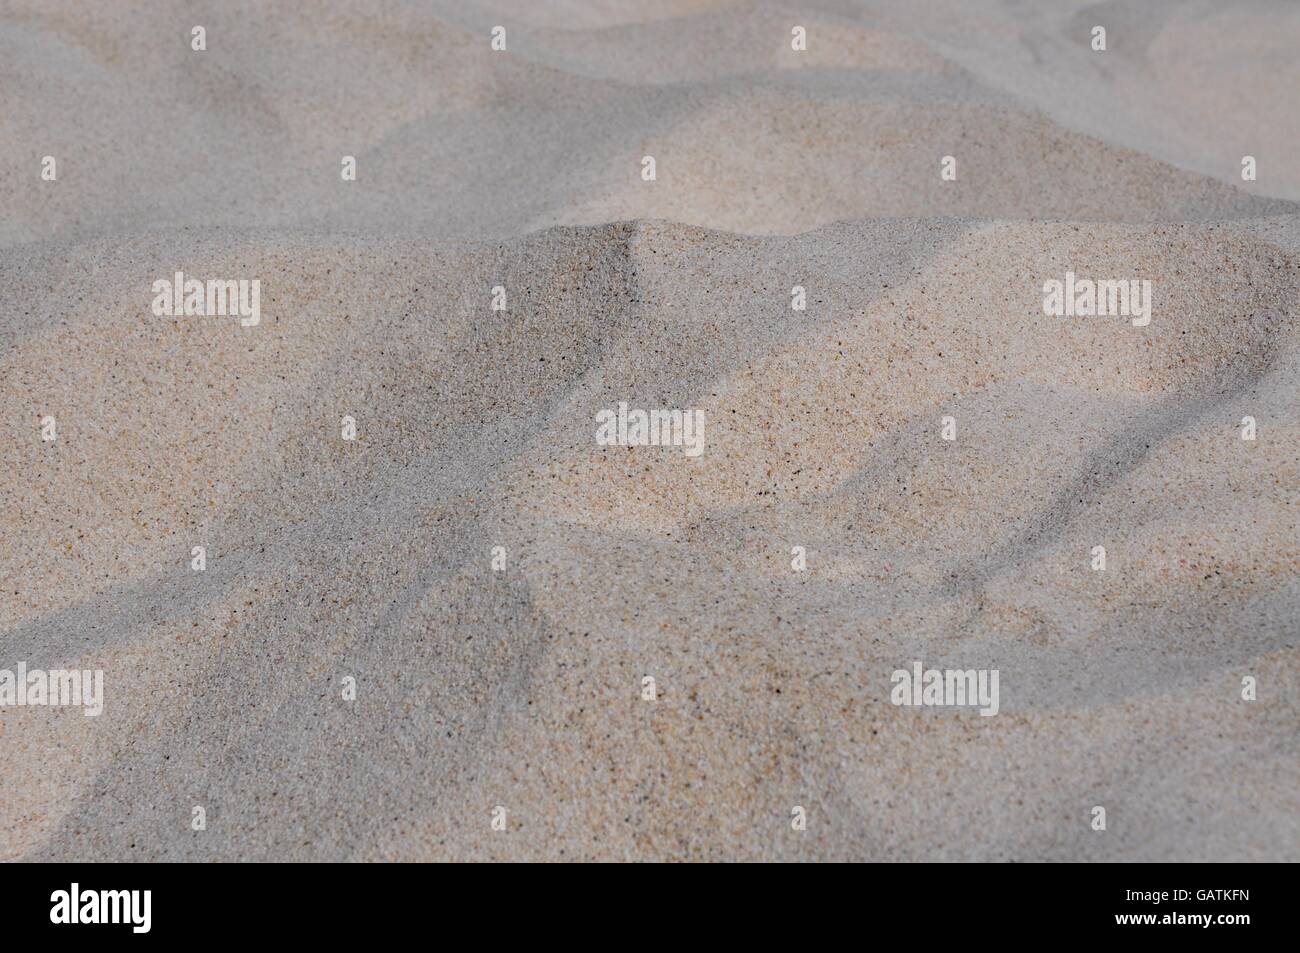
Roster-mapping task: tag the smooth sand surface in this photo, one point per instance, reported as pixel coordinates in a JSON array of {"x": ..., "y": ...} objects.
[{"x": 372, "y": 558}]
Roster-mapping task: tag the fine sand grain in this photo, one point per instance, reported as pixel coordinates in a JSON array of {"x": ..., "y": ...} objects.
[{"x": 372, "y": 559}]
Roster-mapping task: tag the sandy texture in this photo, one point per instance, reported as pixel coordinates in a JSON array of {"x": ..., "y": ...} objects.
[{"x": 522, "y": 688}]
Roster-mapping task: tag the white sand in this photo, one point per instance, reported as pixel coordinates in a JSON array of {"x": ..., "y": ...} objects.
[{"x": 522, "y": 688}]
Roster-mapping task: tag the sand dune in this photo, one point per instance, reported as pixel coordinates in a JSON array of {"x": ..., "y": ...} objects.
[{"x": 372, "y": 558}]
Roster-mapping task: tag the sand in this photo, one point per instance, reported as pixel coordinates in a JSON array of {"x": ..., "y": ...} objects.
[{"x": 521, "y": 688}]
